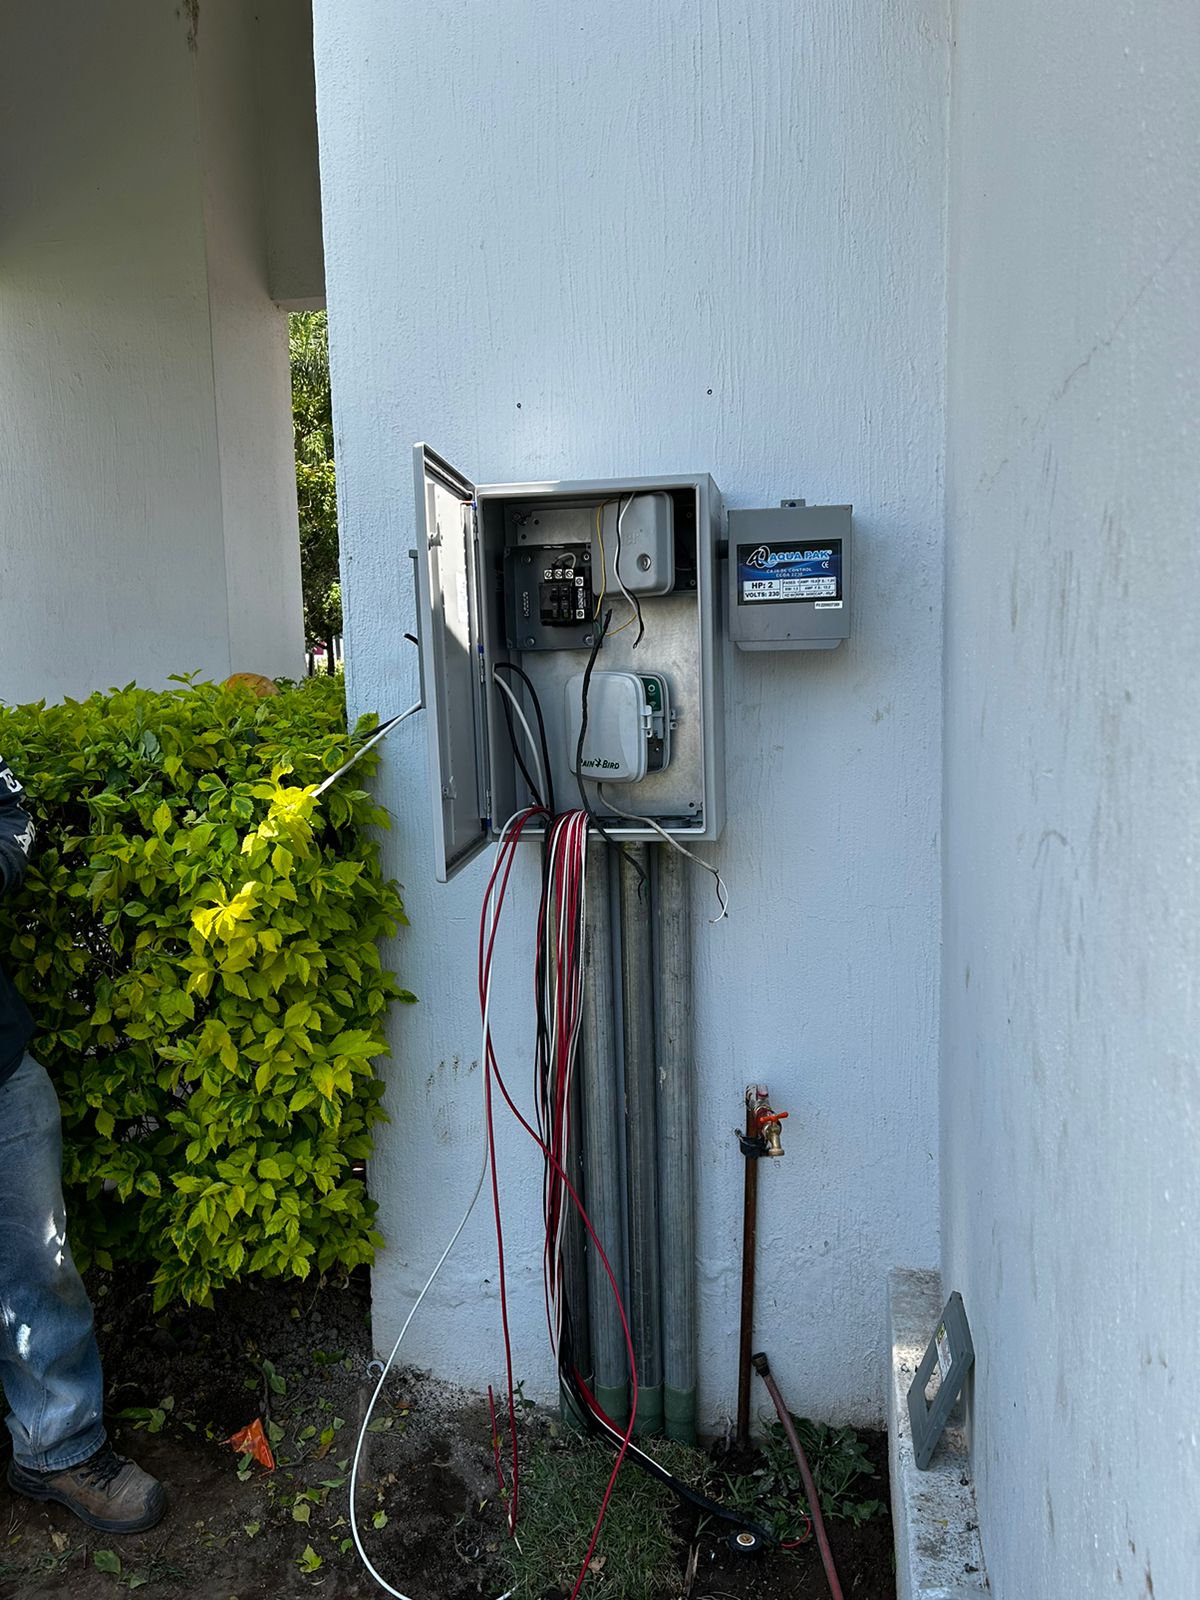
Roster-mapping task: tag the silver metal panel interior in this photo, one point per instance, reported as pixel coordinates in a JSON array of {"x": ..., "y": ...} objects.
[
  {"x": 671, "y": 645},
  {"x": 678, "y": 642},
  {"x": 449, "y": 637}
]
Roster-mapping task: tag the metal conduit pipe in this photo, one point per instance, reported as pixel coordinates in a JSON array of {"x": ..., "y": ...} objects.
[
  {"x": 574, "y": 1266},
  {"x": 641, "y": 1133},
  {"x": 600, "y": 1144},
  {"x": 676, "y": 1143}
]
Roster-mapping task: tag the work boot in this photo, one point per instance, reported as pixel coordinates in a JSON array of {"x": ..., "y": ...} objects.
[{"x": 107, "y": 1491}]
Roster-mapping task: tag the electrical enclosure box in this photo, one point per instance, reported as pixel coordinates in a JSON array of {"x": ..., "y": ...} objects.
[
  {"x": 521, "y": 574},
  {"x": 640, "y": 527},
  {"x": 789, "y": 577}
]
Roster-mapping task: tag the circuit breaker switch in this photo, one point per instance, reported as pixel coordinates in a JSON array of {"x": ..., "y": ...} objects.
[
  {"x": 628, "y": 725},
  {"x": 563, "y": 600}
]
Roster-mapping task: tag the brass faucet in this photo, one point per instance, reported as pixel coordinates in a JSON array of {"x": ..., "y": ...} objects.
[{"x": 765, "y": 1120}]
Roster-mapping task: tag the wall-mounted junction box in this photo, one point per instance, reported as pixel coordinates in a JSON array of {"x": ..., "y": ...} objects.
[
  {"x": 789, "y": 577},
  {"x": 522, "y": 573}
]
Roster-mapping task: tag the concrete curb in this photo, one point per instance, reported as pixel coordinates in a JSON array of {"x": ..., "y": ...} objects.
[{"x": 938, "y": 1551}]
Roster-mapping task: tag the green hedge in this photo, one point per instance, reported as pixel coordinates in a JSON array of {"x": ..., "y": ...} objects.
[{"x": 197, "y": 939}]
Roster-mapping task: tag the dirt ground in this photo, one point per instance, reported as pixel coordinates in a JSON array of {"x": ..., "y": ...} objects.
[
  {"x": 864, "y": 1557},
  {"x": 428, "y": 1505}
]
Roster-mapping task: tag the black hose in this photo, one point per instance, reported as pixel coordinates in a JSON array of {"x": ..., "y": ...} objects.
[{"x": 581, "y": 1401}]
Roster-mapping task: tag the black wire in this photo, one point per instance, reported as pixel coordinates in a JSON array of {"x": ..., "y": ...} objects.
[
  {"x": 516, "y": 746},
  {"x": 639, "y": 1458},
  {"x": 643, "y": 881},
  {"x": 511, "y": 666},
  {"x": 583, "y": 720}
]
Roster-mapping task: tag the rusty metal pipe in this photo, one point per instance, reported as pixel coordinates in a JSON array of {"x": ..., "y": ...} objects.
[
  {"x": 763, "y": 1367},
  {"x": 763, "y": 1139},
  {"x": 749, "y": 1248}
]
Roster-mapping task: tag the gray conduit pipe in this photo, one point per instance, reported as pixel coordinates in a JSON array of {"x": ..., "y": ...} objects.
[
  {"x": 601, "y": 1133},
  {"x": 574, "y": 1264},
  {"x": 641, "y": 1132},
  {"x": 676, "y": 1143}
]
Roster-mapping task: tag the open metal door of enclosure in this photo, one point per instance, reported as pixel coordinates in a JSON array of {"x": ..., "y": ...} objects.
[{"x": 452, "y": 664}]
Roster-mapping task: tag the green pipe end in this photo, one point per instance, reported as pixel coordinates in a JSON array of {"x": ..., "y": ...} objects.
[
  {"x": 613, "y": 1400},
  {"x": 649, "y": 1412},
  {"x": 679, "y": 1414}
]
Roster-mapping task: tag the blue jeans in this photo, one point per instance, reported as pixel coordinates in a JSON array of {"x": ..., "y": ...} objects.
[{"x": 49, "y": 1363}]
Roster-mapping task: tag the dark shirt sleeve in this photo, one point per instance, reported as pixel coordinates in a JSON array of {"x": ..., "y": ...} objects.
[{"x": 16, "y": 832}]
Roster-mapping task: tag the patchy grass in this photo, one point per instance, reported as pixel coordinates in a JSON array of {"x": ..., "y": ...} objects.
[{"x": 639, "y": 1552}]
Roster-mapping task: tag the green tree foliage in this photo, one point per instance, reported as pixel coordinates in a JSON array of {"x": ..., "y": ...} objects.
[
  {"x": 197, "y": 939},
  {"x": 316, "y": 486}
]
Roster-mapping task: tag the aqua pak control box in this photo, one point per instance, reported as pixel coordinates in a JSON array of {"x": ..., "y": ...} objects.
[{"x": 789, "y": 577}]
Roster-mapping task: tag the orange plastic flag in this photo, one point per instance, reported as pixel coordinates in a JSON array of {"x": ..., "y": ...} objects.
[{"x": 252, "y": 1441}]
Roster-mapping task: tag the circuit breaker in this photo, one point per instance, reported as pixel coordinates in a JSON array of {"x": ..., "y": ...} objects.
[{"x": 541, "y": 587}]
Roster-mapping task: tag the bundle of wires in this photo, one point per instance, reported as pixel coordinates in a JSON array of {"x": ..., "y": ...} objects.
[
  {"x": 559, "y": 984},
  {"x": 560, "y": 1000},
  {"x": 559, "y": 996}
]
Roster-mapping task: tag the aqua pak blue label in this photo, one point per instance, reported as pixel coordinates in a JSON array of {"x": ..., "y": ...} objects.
[{"x": 771, "y": 572}]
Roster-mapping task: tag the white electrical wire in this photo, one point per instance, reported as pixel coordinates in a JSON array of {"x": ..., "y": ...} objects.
[
  {"x": 621, "y": 510},
  {"x": 428, "y": 1284},
  {"x": 535, "y": 752},
  {"x": 385, "y": 727},
  {"x": 634, "y": 816},
  {"x": 387, "y": 1367}
]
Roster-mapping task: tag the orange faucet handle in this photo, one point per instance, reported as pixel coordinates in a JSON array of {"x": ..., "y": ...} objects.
[{"x": 767, "y": 1115}]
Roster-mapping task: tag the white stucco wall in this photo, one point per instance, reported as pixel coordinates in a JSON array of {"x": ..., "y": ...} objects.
[
  {"x": 147, "y": 505},
  {"x": 250, "y": 373},
  {"x": 567, "y": 240},
  {"x": 1071, "y": 1067},
  {"x": 287, "y": 102}
]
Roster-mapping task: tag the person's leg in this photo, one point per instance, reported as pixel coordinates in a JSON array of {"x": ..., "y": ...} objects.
[{"x": 49, "y": 1363}]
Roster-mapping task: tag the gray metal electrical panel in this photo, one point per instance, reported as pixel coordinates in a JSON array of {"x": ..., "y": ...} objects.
[
  {"x": 520, "y": 576},
  {"x": 789, "y": 577}
]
